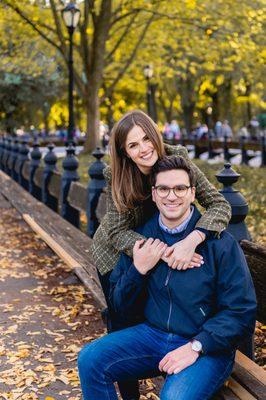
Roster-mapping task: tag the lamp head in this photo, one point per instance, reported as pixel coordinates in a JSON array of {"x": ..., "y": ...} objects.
[
  {"x": 71, "y": 15},
  {"x": 148, "y": 71}
]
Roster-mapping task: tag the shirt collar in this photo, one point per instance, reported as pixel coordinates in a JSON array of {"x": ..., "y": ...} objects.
[{"x": 179, "y": 228}]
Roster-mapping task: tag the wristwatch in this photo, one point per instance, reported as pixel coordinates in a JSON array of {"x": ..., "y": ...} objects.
[{"x": 196, "y": 346}]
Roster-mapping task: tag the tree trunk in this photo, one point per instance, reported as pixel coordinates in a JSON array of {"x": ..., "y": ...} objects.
[
  {"x": 188, "y": 111},
  {"x": 46, "y": 112},
  {"x": 110, "y": 113},
  {"x": 228, "y": 101},
  {"x": 249, "y": 109},
  {"x": 93, "y": 114},
  {"x": 168, "y": 111},
  {"x": 169, "y": 114},
  {"x": 188, "y": 102},
  {"x": 216, "y": 107},
  {"x": 94, "y": 71}
]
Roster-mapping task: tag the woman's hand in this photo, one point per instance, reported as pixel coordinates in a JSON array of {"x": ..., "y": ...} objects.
[
  {"x": 182, "y": 254},
  {"x": 147, "y": 254}
]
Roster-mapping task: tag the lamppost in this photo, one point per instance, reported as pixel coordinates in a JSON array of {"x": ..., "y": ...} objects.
[
  {"x": 71, "y": 14},
  {"x": 151, "y": 106}
]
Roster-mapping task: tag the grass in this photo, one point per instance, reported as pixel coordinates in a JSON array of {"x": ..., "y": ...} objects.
[{"x": 251, "y": 184}]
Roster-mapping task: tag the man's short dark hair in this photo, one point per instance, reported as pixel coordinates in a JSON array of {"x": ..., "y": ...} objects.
[{"x": 168, "y": 163}]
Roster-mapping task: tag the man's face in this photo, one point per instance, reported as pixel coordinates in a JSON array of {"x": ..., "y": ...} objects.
[{"x": 174, "y": 210}]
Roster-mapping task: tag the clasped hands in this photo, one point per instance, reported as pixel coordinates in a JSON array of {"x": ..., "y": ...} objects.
[{"x": 181, "y": 255}]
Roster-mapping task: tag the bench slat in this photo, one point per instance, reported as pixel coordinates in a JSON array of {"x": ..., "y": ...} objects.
[
  {"x": 225, "y": 394},
  {"x": 251, "y": 384},
  {"x": 253, "y": 368},
  {"x": 241, "y": 392},
  {"x": 77, "y": 196},
  {"x": 67, "y": 258}
]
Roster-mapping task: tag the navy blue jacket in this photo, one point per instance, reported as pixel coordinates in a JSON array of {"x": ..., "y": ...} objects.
[{"x": 215, "y": 303}]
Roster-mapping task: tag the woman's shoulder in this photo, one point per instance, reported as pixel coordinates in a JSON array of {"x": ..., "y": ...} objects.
[
  {"x": 176, "y": 150},
  {"x": 107, "y": 172}
]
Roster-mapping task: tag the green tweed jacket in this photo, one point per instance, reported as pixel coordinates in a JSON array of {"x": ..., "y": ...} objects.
[{"x": 115, "y": 233}]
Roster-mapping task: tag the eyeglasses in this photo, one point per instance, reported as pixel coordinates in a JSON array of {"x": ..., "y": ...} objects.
[{"x": 164, "y": 191}]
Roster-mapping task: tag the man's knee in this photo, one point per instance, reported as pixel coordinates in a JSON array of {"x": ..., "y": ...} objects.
[
  {"x": 172, "y": 393},
  {"x": 89, "y": 358},
  {"x": 168, "y": 394},
  {"x": 178, "y": 390}
]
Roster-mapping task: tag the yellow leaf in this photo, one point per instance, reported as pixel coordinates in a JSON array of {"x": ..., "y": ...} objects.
[
  {"x": 220, "y": 80},
  {"x": 89, "y": 31}
]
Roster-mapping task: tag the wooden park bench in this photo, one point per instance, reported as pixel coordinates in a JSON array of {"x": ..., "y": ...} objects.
[{"x": 248, "y": 380}]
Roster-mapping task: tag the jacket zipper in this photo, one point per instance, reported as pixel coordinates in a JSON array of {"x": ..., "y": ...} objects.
[{"x": 170, "y": 298}]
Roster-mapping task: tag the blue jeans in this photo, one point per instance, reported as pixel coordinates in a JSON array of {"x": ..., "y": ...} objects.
[
  {"x": 134, "y": 353},
  {"x": 129, "y": 390}
]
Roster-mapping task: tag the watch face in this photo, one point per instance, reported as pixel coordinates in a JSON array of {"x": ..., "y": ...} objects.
[{"x": 196, "y": 345}]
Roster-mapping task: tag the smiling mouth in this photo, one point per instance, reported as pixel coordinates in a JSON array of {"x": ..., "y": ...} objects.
[
  {"x": 147, "y": 156},
  {"x": 172, "y": 205}
]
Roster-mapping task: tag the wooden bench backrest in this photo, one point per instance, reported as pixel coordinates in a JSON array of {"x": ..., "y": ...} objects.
[{"x": 77, "y": 196}]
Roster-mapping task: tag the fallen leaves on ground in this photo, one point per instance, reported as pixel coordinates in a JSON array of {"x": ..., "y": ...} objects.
[{"x": 44, "y": 323}]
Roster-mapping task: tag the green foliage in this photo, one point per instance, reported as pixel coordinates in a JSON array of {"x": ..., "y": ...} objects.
[
  {"x": 203, "y": 53},
  {"x": 30, "y": 79}
]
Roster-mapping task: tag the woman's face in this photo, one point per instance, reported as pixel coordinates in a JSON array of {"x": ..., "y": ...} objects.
[{"x": 140, "y": 149}]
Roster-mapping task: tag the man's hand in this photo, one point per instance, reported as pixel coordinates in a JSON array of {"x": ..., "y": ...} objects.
[
  {"x": 182, "y": 254},
  {"x": 179, "y": 359},
  {"x": 146, "y": 256}
]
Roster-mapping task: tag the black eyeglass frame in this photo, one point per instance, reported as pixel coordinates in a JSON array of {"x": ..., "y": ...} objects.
[{"x": 171, "y": 189}]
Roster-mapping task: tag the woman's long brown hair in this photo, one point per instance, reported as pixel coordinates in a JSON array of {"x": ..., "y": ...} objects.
[{"x": 128, "y": 185}]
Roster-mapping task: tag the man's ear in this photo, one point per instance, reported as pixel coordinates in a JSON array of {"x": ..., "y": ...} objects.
[
  {"x": 153, "y": 194},
  {"x": 193, "y": 193}
]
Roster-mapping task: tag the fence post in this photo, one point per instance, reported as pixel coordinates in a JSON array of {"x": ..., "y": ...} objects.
[
  {"x": 226, "y": 150},
  {"x": 244, "y": 155},
  {"x": 183, "y": 138},
  {"x": 196, "y": 148},
  {"x": 22, "y": 158},
  {"x": 4, "y": 154},
  {"x": 237, "y": 227},
  {"x": 10, "y": 158},
  {"x": 70, "y": 174},
  {"x": 263, "y": 151},
  {"x": 50, "y": 160},
  {"x": 13, "y": 159},
  {"x": 8, "y": 155},
  {"x": 210, "y": 148},
  {"x": 2, "y": 149},
  {"x": 95, "y": 188},
  {"x": 36, "y": 156}
]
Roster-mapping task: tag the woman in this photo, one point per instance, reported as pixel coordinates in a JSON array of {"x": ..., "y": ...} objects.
[{"x": 136, "y": 145}]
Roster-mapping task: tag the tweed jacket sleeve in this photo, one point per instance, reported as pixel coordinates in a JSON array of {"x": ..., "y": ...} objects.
[
  {"x": 218, "y": 210},
  {"x": 120, "y": 225}
]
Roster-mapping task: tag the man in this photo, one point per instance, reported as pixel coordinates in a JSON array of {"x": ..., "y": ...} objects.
[
  {"x": 175, "y": 130},
  {"x": 226, "y": 130},
  {"x": 193, "y": 320}
]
